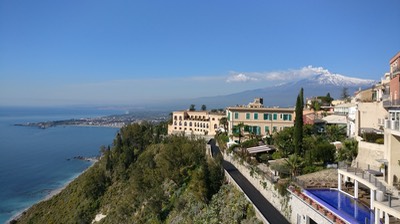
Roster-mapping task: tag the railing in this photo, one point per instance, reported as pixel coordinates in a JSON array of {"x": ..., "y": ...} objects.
[
  {"x": 367, "y": 176},
  {"x": 391, "y": 103},
  {"x": 395, "y": 72},
  {"x": 392, "y": 124}
]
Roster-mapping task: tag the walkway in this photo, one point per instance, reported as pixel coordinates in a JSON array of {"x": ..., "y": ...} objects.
[{"x": 267, "y": 209}]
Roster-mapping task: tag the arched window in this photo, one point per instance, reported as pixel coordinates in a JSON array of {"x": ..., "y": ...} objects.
[
  {"x": 180, "y": 123},
  {"x": 206, "y": 125},
  {"x": 215, "y": 126},
  {"x": 175, "y": 117},
  {"x": 180, "y": 118},
  {"x": 175, "y": 123},
  {"x": 190, "y": 124},
  {"x": 184, "y": 124}
]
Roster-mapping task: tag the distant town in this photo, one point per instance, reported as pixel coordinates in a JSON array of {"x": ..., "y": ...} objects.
[{"x": 112, "y": 121}]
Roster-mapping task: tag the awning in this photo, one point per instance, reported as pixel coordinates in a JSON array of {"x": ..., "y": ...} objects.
[{"x": 261, "y": 148}]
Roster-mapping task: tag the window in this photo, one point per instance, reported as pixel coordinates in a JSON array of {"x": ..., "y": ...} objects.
[
  {"x": 255, "y": 116},
  {"x": 236, "y": 115},
  {"x": 287, "y": 117},
  {"x": 257, "y": 130},
  {"x": 267, "y": 116},
  {"x": 229, "y": 116},
  {"x": 275, "y": 117},
  {"x": 274, "y": 129},
  {"x": 266, "y": 129},
  {"x": 247, "y": 116}
]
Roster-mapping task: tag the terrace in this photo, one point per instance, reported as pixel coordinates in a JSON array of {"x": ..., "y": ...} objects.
[{"x": 382, "y": 198}]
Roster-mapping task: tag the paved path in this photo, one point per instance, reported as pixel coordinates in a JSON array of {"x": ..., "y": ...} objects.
[{"x": 269, "y": 211}]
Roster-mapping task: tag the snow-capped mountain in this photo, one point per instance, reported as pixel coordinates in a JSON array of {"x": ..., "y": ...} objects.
[
  {"x": 337, "y": 80},
  {"x": 285, "y": 94}
]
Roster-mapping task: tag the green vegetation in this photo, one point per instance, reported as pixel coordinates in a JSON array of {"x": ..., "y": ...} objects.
[
  {"x": 298, "y": 124},
  {"x": 349, "y": 151},
  {"x": 345, "y": 94},
  {"x": 148, "y": 177},
  {"x": 373, "y": 137}
]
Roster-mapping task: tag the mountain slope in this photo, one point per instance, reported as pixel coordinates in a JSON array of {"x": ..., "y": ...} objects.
[{"x": 285, "y": 94}]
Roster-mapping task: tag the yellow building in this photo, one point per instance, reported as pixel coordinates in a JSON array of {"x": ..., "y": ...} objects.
[
  {"x": 258, "y": 119},
  {"x": 195, "y": 122}
]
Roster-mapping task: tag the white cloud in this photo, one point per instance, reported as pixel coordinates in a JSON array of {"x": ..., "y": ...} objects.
[
  {"x": 285, "y": 75},
  {"x": 241, "y": 78}
]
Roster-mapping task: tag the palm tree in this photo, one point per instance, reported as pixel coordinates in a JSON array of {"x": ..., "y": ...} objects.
[
  {"x": 294, "y": 163},
  {"x": 349, "y": 151},
  {"x": 240, "y": 134},
  {"x": 224, "y": 122}
]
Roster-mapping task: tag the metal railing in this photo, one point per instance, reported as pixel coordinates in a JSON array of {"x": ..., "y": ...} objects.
[
  {"x": 367, "y": 176},
  {"x": 391, "y": 103}
]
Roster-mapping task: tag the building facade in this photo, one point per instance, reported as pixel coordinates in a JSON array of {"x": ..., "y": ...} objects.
[
  {"x": 259, "y": 120},
  {"x": 195, "y": 122},
  {"x": 392, "y": 125}
]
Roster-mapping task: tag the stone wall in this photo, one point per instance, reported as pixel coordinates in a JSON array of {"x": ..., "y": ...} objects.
[
  {"x": 368, "y": 153},
  {"x": 263, "y": 185}
]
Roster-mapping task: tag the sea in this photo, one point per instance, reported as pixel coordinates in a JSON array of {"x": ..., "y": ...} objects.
[{"x": 35, "y": 163}]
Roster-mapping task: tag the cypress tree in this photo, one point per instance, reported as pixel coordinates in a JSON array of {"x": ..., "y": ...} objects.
[{"x": 298, "y": 124}]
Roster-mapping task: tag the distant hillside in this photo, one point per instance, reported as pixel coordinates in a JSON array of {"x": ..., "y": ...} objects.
[{"x": 284, "y": 95}]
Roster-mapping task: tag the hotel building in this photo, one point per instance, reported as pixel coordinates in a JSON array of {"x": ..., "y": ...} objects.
[
  {"x": 258, "y": 119},
  {"x": 195, "y": 122}
]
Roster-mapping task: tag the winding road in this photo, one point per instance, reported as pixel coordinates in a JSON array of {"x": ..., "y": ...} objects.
[{"x": 264, "y": 206}]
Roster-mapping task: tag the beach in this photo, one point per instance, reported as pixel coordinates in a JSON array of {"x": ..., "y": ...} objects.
[{"x": 52, "y": 193}]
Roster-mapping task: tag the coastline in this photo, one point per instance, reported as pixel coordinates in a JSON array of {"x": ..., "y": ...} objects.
[{"x": 52, "y": 193}]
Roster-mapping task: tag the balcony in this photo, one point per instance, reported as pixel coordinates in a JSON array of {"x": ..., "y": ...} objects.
[
  {"x": 395, "y": 72},
  {"x": 392, "y": 124},
  {"x": 391, "y": 103}
]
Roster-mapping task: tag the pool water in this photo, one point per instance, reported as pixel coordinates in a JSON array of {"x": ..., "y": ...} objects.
[{"x": 343, "y": 205}]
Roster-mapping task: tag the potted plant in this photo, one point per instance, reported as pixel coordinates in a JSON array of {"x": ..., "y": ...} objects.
[{"x": 382, "y": 168}]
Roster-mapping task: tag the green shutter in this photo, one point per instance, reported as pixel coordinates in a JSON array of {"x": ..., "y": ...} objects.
[
  {"x": 275, "y": 117},
  {"x": 255, "y": 116},
  {"x": 236, "y": 115},
  {"x": 247, "y": 116}
]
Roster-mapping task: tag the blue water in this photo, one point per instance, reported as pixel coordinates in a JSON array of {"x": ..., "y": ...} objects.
[
  {"x": 344, "y": 205},
  {"x": 34, "y": 162}
]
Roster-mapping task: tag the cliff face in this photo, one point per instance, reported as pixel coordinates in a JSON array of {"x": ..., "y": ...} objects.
[{"x": 145, "y": 178}]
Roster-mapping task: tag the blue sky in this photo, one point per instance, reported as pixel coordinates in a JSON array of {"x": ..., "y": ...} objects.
[{"x": 129, "y": 52}]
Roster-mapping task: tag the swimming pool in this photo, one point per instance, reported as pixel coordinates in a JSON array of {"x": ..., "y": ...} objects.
[{"x": 343, "y": 205}]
